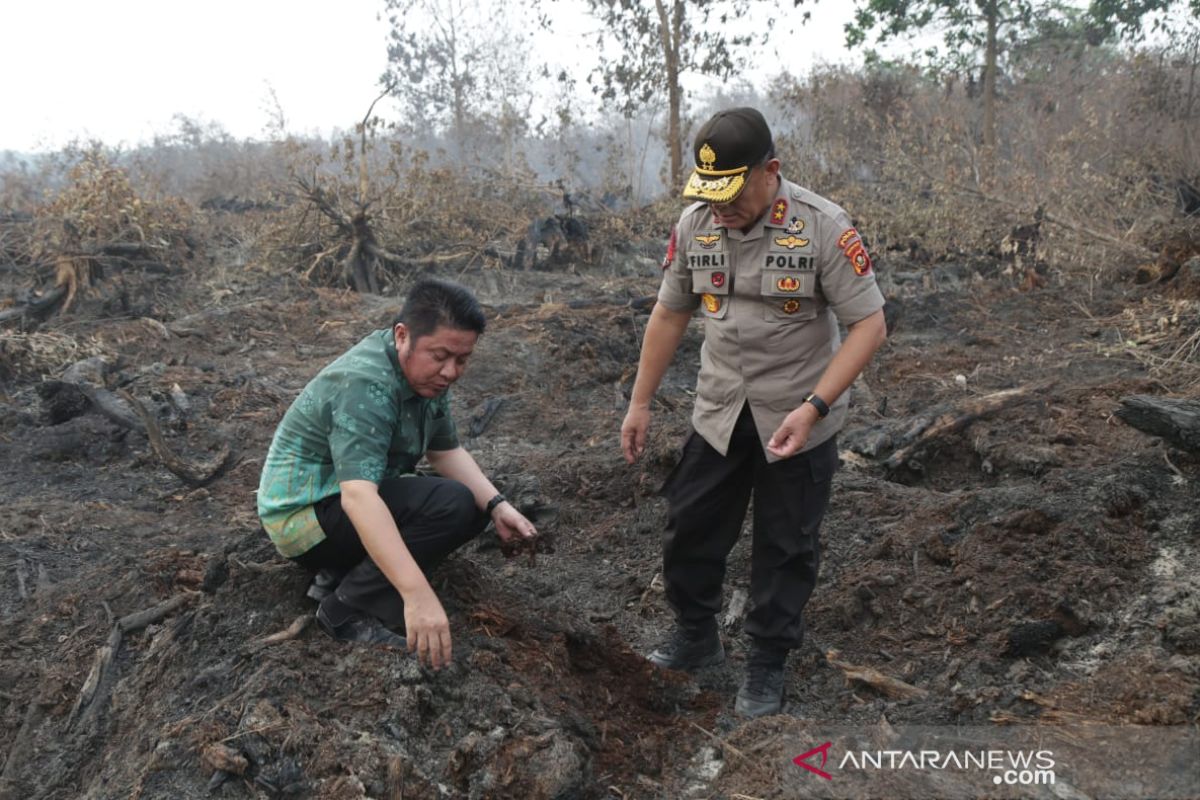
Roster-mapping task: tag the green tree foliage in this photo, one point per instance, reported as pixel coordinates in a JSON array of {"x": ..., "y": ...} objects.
[
  {"x": 991, "y": 30},
  {"x": 455, "y": 63},
  {"x": 971, "y": 29},
  {"x": 1130, "y": 19},
  {"x": 653, "y": 43}
]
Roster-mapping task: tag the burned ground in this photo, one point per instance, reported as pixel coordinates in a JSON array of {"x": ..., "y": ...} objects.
[{"x": 1037, "y": 566}]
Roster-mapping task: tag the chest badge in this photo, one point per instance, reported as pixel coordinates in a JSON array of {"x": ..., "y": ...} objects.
[
  {"x": 711, "y": 303},
  {"x": 788, "y": 284},
  {"x": 708, "y": 240},
  {"x": 718, "y": 279},
  {"x": 779, "y": 211},
  {"x": 796, "y": 226},
  {"x": 791, "y": 241},
  {"x": 791, "y": 306}
]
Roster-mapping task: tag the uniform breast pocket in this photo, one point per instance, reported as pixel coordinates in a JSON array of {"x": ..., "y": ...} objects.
[
  {"x": 710, "y": 281},
  {"x": 788, "y": 296}
]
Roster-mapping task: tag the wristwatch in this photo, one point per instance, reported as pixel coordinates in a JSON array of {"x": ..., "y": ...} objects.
[
  {"x": 495, "y": 501},
  {"x": 820, "y": 405}
]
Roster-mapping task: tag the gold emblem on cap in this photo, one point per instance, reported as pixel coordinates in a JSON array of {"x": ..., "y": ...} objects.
[{"x": 708, "y": 158}]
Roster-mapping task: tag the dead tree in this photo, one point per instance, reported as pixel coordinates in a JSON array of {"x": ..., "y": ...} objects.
[{"x": 363, "y": 253}]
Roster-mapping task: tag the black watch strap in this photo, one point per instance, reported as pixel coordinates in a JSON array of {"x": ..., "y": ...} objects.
[
  {"x": 820, "y": 405},
  {"x": 495, "y": 501}
]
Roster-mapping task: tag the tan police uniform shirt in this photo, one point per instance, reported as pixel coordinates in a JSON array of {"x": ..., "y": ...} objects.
[{"x": 772, "y": 299}]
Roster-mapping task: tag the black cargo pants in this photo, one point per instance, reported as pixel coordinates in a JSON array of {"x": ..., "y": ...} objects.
[
  {"x": 707, "y": 496},
  {"x": 435, "y": 516}
]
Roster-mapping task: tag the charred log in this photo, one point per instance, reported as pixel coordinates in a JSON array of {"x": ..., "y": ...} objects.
[{"x": 1176, "y": 420}]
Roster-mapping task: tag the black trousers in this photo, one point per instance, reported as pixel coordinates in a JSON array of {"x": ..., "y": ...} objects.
[
  {"x": 435, "y": 516},
  {"x": 707, "y": 496}
]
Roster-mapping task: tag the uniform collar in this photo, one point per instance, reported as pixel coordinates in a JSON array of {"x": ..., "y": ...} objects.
[{"x": 782, "y": 194}]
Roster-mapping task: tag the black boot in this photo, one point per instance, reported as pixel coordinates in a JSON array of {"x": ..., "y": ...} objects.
[
  {"x": 689, "y": 650},
  {"x": 762, "y": 690},
  {"x": 348, "y": 625},
  {"x": 324, "y": 582}
]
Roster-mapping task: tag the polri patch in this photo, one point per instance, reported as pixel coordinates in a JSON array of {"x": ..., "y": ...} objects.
[
  {"x": 788, "y": 284},
  {"x": 859, "y": 258},
  {"x": 849, "y": 235}
]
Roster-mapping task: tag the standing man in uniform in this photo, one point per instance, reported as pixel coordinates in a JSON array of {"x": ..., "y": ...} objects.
[
  {"x": 338, "y": 493},
  {"x": 773, "y": 268}
]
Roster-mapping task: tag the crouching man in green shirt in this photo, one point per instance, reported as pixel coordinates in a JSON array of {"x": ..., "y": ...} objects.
[{"x": 338, "y": 494}]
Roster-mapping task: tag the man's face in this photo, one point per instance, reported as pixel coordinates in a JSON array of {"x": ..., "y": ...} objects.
[
  {"x": 436, "y": 360},
  {"x": 745, "y": 209}
]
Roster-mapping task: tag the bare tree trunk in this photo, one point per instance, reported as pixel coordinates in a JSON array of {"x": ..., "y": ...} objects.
[
  {"x": 991, "y": 12},
  {"x": 670, "y": 29}
]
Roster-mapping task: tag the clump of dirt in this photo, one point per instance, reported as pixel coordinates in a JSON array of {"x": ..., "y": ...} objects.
[{"x": 1036, "y": 564}]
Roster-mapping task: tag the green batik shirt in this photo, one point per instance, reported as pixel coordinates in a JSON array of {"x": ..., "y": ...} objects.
[{"x": 358, "y": 419}]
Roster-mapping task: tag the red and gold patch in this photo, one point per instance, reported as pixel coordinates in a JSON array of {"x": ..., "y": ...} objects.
[
  {"x": 848, "y": 235},
  {"x": 788, "y": 284},
  {"x": 718, "y": 279},
  {"x": 791, "y": 306},
  {"x": 859, "y": 258},
  {"x": 711, "y": 303},
  {"x": 779, "y": 211},
  {"x": 670, "y": 249}
]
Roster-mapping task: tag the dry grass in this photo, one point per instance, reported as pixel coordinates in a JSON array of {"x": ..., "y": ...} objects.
[
  {"x": 41, "y": 354},
  {"x": 900, "y": 151}
]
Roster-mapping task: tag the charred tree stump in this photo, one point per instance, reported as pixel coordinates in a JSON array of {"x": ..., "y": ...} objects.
[
  {"x": 905, "y": 439},
  {"x": 1175, "y": 419}
]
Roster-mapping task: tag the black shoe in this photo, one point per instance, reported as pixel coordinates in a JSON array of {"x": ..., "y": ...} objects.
[
  {"x": 323, "y": 583},
  {"x": 689, "y": 650},
  {"x": 355, "y": 626},
  {"x": 762, "y": 690}
]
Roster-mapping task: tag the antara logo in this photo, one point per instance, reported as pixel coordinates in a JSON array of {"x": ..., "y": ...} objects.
[{"x": 802, "y": 760}]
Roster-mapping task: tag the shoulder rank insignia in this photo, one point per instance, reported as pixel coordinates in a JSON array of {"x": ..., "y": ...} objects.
[
  {"x": 796, "y": 226},
  {"x": 718, "y": 279},
  {"x": 791, "y": 306},
  {"x": 711, "y": 303},
  {"x": 779, "y": 211},
  {"x": 708, "y": 240},
  {"x": 788, "y": 284},
  {"x": 791, "y": 241}
]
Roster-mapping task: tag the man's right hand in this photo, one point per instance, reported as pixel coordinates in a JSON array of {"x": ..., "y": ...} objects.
[
  {"x": 633, "y": 432},
  {"x": 427, "y": 628}
]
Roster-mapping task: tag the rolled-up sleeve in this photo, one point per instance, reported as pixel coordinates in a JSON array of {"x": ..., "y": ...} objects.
[{"x": 847, "y": 275}]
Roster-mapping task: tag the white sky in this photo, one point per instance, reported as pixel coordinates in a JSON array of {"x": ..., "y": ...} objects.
[{"x": 119, "y": 70}]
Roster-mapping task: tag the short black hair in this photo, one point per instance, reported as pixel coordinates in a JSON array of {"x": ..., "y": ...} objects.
[{"x": 432, "y": 302}]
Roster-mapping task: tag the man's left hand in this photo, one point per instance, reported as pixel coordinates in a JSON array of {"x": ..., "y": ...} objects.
[
  {"x": 793, "y": 432},
  {"x": 512, "y": 524}
]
